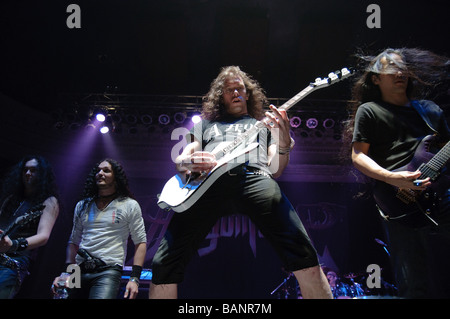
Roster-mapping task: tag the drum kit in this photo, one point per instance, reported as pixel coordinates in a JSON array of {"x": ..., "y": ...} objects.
[
  {"x": 349, "y": 286},
  {"x": 347, "y": 290}
]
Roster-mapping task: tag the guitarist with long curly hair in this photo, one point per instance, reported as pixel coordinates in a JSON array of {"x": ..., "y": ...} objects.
[
  {"x": 394, "y": 137},
  {"x": 231, "y": 108},
  {"x": 30, "y": 183}
]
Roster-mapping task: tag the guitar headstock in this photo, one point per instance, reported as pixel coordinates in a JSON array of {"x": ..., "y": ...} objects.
[{"x": 332, "y": 78}]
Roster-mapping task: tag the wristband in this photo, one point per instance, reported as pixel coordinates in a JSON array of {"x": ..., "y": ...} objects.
[
  {"x": 14, "y": 246},
  {"x": 23, "y": 244},
  {"x": 136, "y": 271},
  {"x": 18, "y": 245},
  {"x": 286, "y": 150}
]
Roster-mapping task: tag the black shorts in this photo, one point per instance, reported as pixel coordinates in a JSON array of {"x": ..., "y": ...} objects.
[{"x": 256, "y": 196}]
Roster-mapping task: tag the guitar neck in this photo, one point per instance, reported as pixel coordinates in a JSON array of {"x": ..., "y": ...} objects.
[
  {"x": 24, "y": 219},
  {"x": 438, "y": 161},
  {"x": 259, "y": 125},
  {"x": 7, "y": 231}
]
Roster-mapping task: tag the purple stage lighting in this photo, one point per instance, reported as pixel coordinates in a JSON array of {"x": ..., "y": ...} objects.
[
  {"x": 312, "y": 123},
  {"x": 100, "y": 117},
  {"x": 295, "y": 121},
  {"x": 104, "y": 129},
  {"x": 196, "y": 118}
]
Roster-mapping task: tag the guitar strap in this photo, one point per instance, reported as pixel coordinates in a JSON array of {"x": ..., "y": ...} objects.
[{"x": 424, "y": 115}]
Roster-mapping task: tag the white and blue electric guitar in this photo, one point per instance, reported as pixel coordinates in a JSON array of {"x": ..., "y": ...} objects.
[{"x": 183, "y": 190}]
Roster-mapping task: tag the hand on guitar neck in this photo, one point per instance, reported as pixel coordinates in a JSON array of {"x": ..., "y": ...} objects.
[{"x": 5, "y": 243}]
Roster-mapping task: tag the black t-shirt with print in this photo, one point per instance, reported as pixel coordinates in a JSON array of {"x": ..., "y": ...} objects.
[{"x": 217, "y": 134}]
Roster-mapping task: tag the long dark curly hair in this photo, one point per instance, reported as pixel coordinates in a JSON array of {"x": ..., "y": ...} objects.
[
  {"x": 123, "y": 190},
  {"x": 13, "y": 188},
  {"x": 90, "y": 191},
  {"x": 427, "y": 73},
  {"x": 213, "y": 107}
]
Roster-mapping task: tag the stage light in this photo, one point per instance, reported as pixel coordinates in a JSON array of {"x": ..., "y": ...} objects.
[
  {"x": 104, "y": 129},
  {"x": 295, "y": 121},
  {"x": 196, "y": 118},
  {"x": 100, "y": 117},
  {"x": 312, "y": 122},
  {"x": 146, "y": 119},
  {"x": 116, "y": 118},
  {"x": 328, "y": 123},
  {"x": 164, "y": 119},
  {"x": 131, "y": 119},
  {"x": 179, "y": 117}
]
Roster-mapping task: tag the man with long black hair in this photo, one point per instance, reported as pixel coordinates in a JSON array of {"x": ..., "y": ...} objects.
[
  {"x": 389, "y": 125},
  {"x": 103, "y": 220},
  {"x": 29, "y": 184}
]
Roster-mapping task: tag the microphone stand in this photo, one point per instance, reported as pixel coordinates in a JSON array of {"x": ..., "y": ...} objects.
[{"x": 281, "y": 284}]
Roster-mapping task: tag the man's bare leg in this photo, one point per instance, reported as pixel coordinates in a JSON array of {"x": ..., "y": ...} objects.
[
  {"x": 169, "y": 291},
  {"x": 313, "y": 283}
]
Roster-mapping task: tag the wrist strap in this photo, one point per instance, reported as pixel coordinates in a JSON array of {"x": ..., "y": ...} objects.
[
  {"x": 18, "y": 244},
  {"x": 136, "y": 271}
]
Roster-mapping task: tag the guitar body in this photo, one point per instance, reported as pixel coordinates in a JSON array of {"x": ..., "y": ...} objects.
[
  {"x": 395, "y": 202},
  {"x": 180, "y": 193}
]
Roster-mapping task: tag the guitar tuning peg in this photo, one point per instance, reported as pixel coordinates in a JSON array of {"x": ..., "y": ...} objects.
[
  {"x": 346, "y": 71},
  {"x": 318, "y": 80},
  {"x": 332, "y": 76}
]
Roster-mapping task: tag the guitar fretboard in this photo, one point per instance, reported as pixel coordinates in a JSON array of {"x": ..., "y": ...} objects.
[{"x": 432, "y": 168}]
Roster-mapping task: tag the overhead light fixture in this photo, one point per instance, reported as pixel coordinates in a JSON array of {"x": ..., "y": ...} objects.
[
  {"x": 179, "y": 117},
  {"x": 328, "y": 123},
  {"x": 312, "y": 123},
  {"x": 295, "y": 121},
  {"x": 116, "y": 118},
  {"x": 146, "y": 119},
  {"x": 131, "y": 119},
  {"x": 100, "y": 117},
  {"x": 104, "y": 129},
  {"x": 164, "y": 119},
  {"x": 196, "y": 118}
]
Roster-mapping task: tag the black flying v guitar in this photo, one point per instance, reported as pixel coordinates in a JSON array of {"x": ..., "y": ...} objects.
[
  {"x": 182, "y": 190},
  {"x": 416, "y": 208}
]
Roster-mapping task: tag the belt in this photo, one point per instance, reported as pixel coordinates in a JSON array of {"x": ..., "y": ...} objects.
[
  {"x": 99, "y": 268},
  {"x": 247, "y": 170}
]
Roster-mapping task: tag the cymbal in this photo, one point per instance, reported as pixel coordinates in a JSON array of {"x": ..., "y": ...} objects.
[{"x": 352, "y": 275}]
